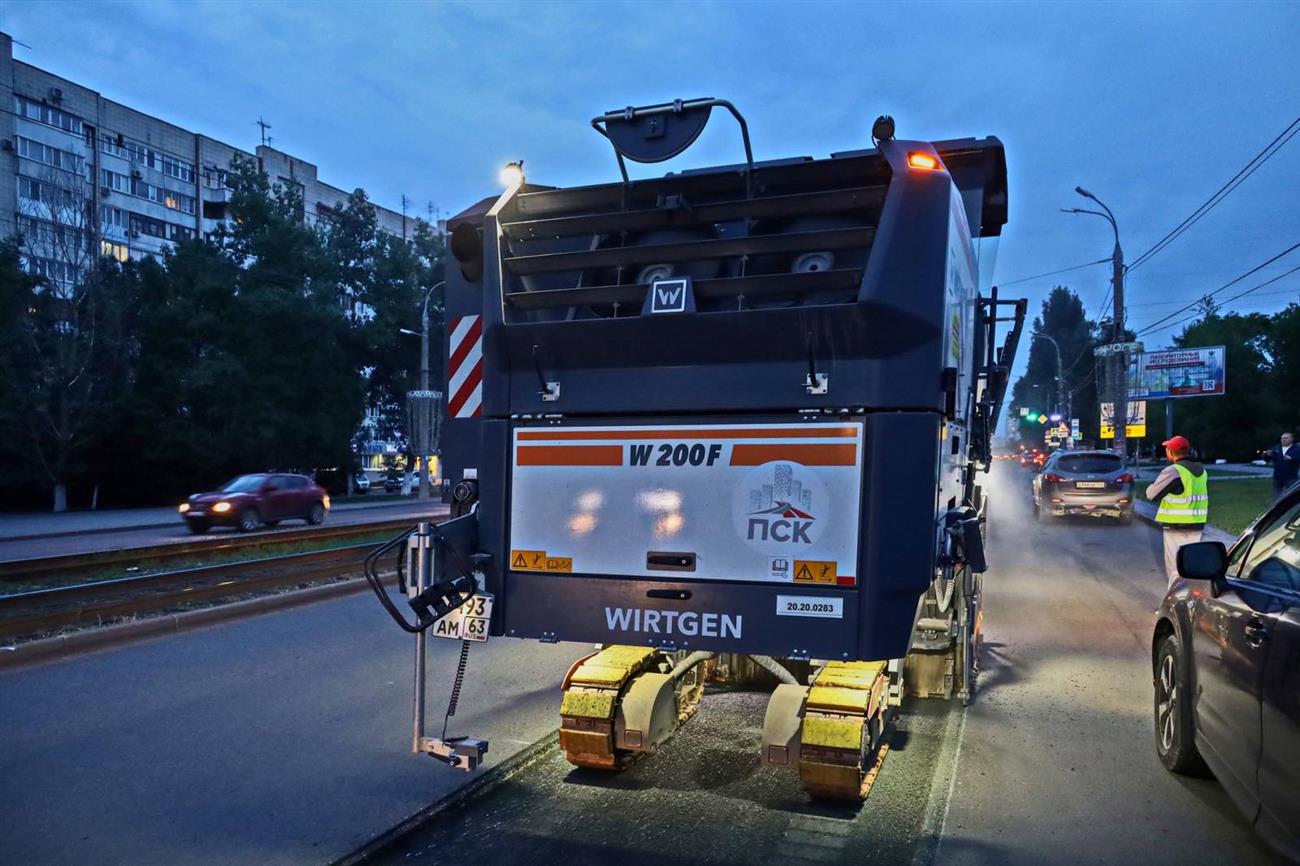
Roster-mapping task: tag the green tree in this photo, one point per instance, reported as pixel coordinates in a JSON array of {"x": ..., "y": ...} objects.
[{"x": 1062, "y": 319}]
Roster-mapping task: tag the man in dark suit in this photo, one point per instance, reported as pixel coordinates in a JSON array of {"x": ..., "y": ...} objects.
[{"x": 1285, "y": 457}]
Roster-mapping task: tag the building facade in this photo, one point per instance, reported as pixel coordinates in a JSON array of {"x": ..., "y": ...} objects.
[{"x": 83, "y": 176}]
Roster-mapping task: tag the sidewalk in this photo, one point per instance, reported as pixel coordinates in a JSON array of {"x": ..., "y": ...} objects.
[{"x": 46, "y": 524}]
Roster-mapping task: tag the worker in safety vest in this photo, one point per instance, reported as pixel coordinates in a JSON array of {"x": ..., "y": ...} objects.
[{"x": 1182, "y": 489}]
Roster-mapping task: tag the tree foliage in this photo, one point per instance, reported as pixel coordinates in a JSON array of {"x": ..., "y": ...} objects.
[{"x": 259, "y": 349}]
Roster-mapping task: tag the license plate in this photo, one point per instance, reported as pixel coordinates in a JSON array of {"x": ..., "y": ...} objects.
[
  {"x": 470, "y": 621},
  {"x": 1092, "y": 484}
]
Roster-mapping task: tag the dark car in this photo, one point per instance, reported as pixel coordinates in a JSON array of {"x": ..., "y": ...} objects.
[
  {"x": 1092, "y": 483},
  {"x": 1226, "y": 664},
  {"x": 250, "y": 501}
]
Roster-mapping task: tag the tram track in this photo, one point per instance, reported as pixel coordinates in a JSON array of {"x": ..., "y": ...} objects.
[
  {"x": 43, "y": 612},
  {"x": 124, "y": 563}
]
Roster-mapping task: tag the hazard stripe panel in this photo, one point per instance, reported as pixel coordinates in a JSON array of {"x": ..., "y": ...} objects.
[{"x": 465, "y": 368}]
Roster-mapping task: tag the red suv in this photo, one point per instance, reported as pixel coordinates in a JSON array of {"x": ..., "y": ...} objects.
[{"x": 250, "y": 501}]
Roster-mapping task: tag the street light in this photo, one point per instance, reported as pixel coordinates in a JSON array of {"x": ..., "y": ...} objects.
[
  {"x": 1060, "y": 372},
  {"x": 425, "y": 490},
  {"x": 1117, "y": 360},
  {"x": 512, "y": 174}
]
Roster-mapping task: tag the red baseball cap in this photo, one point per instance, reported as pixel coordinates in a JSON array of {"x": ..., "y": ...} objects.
[{"x": 1178, "y": 443}]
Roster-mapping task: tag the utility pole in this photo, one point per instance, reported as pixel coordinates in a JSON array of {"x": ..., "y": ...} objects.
[
  {"x": 1116, "y": 355},
  {"x": 265, "y": 126}
]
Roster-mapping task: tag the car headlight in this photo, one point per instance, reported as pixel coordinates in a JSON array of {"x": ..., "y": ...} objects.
[
  {"x": 221, "y": 507},
  {"x": 185, "y": 506},
  {"x": 325, "y": 500}
]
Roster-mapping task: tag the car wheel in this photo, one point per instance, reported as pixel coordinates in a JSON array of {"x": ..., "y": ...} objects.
[
  {"x": 316, "y": 516},
  {"x": 1175, "y": 726},
  {"x": 248, "y": 520},
  {"x": 198, "y": 528}
]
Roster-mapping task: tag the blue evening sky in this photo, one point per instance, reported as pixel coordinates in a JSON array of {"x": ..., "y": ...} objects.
[{"x": 1151, "y": 106}]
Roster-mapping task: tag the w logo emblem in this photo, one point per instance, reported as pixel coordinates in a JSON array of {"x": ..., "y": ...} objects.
[{"x": 669, "y": 296}]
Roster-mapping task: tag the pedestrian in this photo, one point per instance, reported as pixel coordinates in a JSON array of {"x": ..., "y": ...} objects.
[
  {"x": 1183, "y": 492},
  {"x": 1285, "y": 457}
]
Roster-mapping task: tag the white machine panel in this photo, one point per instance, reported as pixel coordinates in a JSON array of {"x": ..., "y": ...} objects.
[{"x": 757, "y": 502}]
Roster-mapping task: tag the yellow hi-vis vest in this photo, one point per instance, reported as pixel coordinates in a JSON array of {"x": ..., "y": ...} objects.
[{"x": 1192, "y": 505}]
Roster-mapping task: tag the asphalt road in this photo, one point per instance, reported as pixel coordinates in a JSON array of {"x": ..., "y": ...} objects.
[
  {"x": 282, "y": 739},
  {"x": 1053, "y": 763},
  {"x": 178, "y": 533}
]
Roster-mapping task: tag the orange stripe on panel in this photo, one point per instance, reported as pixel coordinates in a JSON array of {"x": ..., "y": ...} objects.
[
  {"x": 701, "y": 433},
  {"x": 569, "y": 455},
  {"x": 807, "y": 455}
]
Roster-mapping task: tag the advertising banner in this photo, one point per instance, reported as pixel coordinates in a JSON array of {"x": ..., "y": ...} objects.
[
  {"x": 1177, "y": 373},
  {"x": 1137, "y": 420}
]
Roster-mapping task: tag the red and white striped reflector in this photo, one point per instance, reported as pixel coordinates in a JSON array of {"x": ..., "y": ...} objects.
[{"x": 465, "y": 368}]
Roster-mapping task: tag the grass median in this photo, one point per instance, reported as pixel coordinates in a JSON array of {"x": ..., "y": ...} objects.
[{"x": 1235, "y": 502}]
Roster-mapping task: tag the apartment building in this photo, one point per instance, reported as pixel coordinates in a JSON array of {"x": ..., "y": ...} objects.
[{"x": 82, "y": 175}]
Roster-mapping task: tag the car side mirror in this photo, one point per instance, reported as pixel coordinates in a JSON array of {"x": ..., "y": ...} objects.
[{"x": 1203, "y": 560}]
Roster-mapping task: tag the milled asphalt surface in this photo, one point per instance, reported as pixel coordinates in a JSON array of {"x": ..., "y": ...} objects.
[
  {"x": 177, "y": 533},
  {"x": 279, "y": 739},
  {"x": 283, "y": 739}
]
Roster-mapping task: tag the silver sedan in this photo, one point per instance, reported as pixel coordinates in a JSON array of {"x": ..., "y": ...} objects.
[{"x": 1091, "y": 483}]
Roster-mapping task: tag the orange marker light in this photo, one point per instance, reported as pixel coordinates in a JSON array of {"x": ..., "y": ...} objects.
[{"x": 922, "y": 160}]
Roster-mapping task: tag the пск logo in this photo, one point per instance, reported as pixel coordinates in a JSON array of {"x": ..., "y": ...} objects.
[{"x": 774, "y": 507}]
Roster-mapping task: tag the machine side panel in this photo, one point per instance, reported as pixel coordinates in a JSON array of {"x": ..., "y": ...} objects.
[{"x": 898, "y": 562}]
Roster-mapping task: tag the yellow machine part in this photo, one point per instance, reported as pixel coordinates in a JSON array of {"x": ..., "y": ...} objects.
[
  {"x": 591, "y": 695},
  {"x": 843, "y": 718}
]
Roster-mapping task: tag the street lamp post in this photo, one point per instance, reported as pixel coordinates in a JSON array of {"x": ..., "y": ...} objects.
[
  {"x": 1060, "y": 373},
  {"x": 425, "y": 490},
  {"x": 1117, "y": 359}
]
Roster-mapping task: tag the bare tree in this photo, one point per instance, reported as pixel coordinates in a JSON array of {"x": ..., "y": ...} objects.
[{"x": 57, "y": 226}]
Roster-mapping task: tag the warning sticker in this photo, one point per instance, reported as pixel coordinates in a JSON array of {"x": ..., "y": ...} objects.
[
  {"x": 814, "y": 571},
  {"x": 528, "y": 560},
  {"x": 537, "y": 560}
]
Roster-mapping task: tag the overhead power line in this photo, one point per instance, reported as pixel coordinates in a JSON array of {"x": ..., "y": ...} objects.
[
  {"x": 1227, "y": 285},
  {"x": 1053, "y": 273},
  {"x": 1223, "y": 192}
]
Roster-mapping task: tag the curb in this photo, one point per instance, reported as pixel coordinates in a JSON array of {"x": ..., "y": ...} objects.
[
  {"x": 66, "y": 646},
  {"x": 1146, "y": 512},
  {"x": 477, "y": 786}
]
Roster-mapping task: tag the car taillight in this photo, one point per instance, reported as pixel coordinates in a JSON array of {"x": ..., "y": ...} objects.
[
  {"x": 1052, "y": 477},
  {"x": 1124, "y": 479}
]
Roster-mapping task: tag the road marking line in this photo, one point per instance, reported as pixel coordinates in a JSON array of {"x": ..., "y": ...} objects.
[{"x": 935, "y": 819}]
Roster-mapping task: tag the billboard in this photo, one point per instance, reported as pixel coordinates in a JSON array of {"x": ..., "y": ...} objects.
[
  {"x": 1137, "y": 420},
  {"x": 1177, "y": 373}
]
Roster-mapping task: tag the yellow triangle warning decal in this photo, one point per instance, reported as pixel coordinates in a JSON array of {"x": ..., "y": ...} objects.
[
  {"x": 804, "y": 573},
  {"x": 519, "y": 561}
]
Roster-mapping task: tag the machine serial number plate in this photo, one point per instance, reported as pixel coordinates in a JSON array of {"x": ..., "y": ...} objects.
[
  {"x": 468, "y": 622},
  {"x": 1090, "y": 484},
  {"x": 809, "y": 605}
]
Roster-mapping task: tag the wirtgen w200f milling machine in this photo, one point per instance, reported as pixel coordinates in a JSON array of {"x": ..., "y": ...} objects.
[{"x": 725, "y": 420}]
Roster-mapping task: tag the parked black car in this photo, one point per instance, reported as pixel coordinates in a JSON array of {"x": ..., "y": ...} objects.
[
  {"x": 1226, "y": 663},
  {"x": 250, "y": 501}
]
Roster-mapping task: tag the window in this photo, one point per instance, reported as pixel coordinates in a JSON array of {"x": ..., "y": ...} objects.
[
  {"x": 115, "y": 181},
  {"x": 112, "y": 144},
  {"x": 49, "y": 194},
  {"x": 1274, "y": 558},
  {"x": 120, "y": 252},
  {"x": 43, "y": 153},
  {"x": 112, "y": 220},
  {"x": 42, "y": 113},
  {"x": 176, "y": 233},
  {"x": 143, "y": 225},
  {"x": 1090, "y": 463}
]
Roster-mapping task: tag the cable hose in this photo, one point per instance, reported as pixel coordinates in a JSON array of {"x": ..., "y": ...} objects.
[{"x": 455, "y": 686}]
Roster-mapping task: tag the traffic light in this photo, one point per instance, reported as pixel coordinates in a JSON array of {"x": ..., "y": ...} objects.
[{"x": 1031, "y": 417}]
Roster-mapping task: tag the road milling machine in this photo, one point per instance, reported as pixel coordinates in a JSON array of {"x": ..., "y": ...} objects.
[{"x": 728, "y": 423}]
